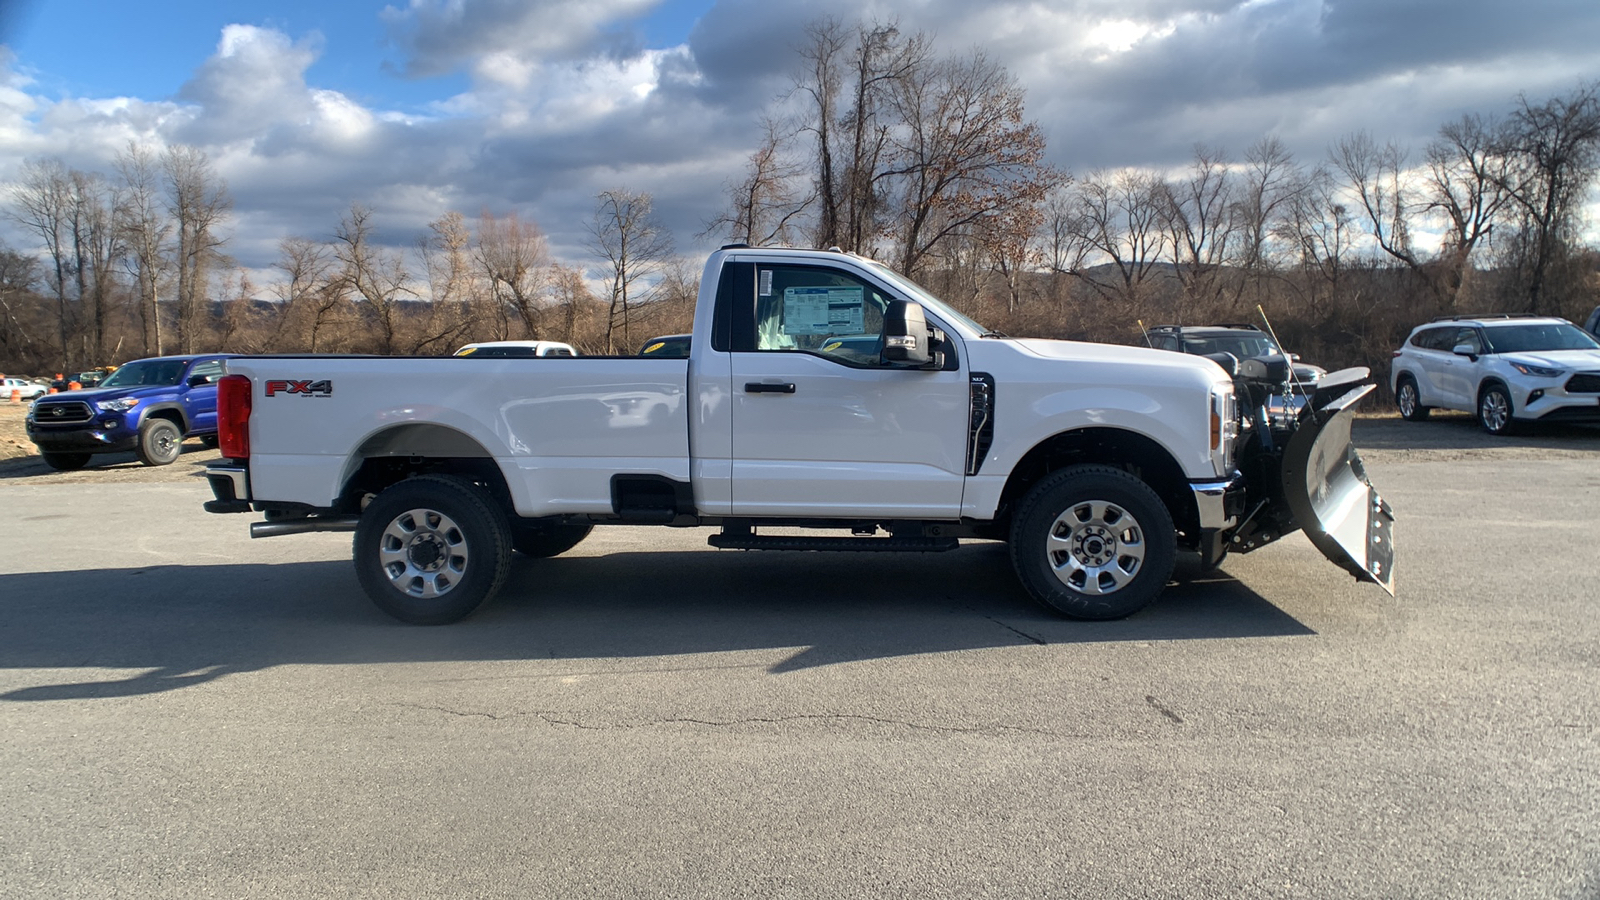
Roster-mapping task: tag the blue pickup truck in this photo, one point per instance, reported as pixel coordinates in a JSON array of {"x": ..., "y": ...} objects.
[{"x": 148, "y": 406}]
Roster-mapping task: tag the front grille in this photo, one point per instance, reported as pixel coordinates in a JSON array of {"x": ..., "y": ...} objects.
[
  {"x": 1584, "y": 383},
  {"x": 61, "y": 412}
]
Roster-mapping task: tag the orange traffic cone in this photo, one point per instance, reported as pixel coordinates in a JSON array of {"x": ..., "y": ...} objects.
[{"x": 16, "y": 395}]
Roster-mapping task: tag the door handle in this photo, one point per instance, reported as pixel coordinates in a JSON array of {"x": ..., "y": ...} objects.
[{"x": 758, "y": 387}]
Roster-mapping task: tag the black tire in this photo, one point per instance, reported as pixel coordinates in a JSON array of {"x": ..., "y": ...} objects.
[
  {"x": 160, "y": 442},
  {"x": 65, "y": 462},
  {"x": 431, "y": 550},
  {"x": 543, "y": 541},
  {"x": 1409, "y": 400},
  {"x": 1495, "y": 409},
  {"x": 1093, "y": 542}
]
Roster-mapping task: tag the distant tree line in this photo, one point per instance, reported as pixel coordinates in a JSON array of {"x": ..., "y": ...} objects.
[{"x": 884, "y": 147}]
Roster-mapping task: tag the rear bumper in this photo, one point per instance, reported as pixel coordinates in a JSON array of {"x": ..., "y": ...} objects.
[{"x": 230, "y": 485}]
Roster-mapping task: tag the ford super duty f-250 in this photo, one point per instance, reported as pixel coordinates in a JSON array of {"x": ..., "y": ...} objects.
[{"x": 822, "y": 390}]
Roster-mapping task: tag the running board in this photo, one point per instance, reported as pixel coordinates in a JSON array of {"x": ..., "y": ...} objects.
[{"x": 785, "y": 542}]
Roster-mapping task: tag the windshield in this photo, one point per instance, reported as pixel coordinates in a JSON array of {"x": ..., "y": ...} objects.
[
  {"x": 920, "y": 294},
  {"x": 1243, "y": 346},
  {"x": 1533, "y": 338},
  {"x": 148, "y": 373}
]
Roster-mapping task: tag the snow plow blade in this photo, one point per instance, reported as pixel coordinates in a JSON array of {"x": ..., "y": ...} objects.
[{"x": 1326, "y": 486}]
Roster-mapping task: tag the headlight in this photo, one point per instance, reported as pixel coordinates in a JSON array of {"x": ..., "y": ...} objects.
[
  {"x": 122, "y": 405},
  {"x": 1224, "y": 427},
  {"x": 1539, "y": 371}
]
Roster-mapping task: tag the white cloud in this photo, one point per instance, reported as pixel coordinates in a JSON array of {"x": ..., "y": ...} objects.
[{"x": 562, "y": 104}]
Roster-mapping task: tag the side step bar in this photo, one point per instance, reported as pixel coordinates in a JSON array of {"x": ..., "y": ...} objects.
[{"x": 743, "y": 541}]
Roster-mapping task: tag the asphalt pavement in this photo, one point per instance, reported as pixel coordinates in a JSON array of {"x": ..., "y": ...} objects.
[{"x": 185, "y": 712}]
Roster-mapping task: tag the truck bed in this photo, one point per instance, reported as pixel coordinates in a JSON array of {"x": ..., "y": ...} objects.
[{"x": 559, "y": 427}]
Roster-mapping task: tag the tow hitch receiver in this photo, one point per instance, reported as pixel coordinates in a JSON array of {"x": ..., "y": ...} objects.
[{"x": 1326, "y": 486}]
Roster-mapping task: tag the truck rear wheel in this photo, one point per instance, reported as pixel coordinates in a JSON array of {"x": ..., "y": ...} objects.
[
  {"x": 431, "y": 550},
  {"x": 1093, "y": 542},
  {"x": 541, "y": 541}
]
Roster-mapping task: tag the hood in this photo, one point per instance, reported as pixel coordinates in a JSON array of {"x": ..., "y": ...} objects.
[
  {"x": 90, "y": 395},
  {"x": 1557, "y": 359},
  {"x": 1090, "y": 363}
]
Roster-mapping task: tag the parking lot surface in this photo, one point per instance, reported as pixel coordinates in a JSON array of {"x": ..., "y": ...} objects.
[{"x": 186, "y": 712}]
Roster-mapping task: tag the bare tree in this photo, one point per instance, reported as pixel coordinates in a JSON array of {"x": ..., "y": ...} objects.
[
  {"x": 72, "y": 213},
  {"x": 1268, "y": 187},
  {"x": 763, "y": 208},
  {"x": 1377, "y": 175},
  {"x": 97, "y": 246},
  {"x": 197, "y": 200},
  {"x": 306, "y": 293},
  {"x": 1199, "y": 215},
  {"x": 1321, "y": 233},
  {"x": 41, "y": 203},
  {"x": 145, "y": 231},
  {"x": 823, "y": 53},
  {"x": 1467, "y": 177},
  {"x": 1554, "y": 149},
  {"x": 1113, "y": 240},
  {"x": 377, "y": 276},
  {"x": 626, "y": 235},
  {"x": 18, "y": 274},
  {"x": 514, "y": 256},
  {"x": 965, "y": 153}
]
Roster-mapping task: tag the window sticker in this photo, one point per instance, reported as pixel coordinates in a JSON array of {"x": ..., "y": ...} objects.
[
  {"x": 766, "y": 283},
  {"x": 823, "y": 310}
]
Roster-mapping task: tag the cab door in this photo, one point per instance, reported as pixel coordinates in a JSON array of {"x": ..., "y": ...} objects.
[
  {"x": 821, "y": 426},
  {"x": 200, "y": 395}
]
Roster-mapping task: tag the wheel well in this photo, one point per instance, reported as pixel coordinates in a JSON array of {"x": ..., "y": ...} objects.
[
  {"x": 1493, "y": 382},
  {"x": 171, "y": 414},
  {"x": 1134, "y": 453},
  {"x": 404, "y": 451}
]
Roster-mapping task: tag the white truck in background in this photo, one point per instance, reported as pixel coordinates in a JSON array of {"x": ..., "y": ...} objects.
[{"x": 822, "y": 390}]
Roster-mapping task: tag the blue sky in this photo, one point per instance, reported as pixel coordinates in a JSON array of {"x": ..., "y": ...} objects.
[
  {"x": 95, "y": 48},
  {"x": 422, "y": 107}
]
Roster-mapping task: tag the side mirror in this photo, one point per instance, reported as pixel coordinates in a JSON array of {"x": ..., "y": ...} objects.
[
  {"x": 1466, "y": 350},
  {"x": 908, "y": 342},
  {"x": 196, "y": 380}
]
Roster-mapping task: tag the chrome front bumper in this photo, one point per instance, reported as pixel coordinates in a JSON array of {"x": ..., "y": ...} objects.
[{"x": 1211, "y": 502}]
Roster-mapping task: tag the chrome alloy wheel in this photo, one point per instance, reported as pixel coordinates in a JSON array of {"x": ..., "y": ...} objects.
[
  {"x": 424, "y": 553},
  {"x": 1407, "y": 401},
  {"x": 1096, "y": 547},
  {"x": 1495, "y": 411}
]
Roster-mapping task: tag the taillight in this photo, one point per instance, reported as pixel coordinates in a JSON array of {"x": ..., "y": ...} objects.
[{"x": 233, "y": 416}]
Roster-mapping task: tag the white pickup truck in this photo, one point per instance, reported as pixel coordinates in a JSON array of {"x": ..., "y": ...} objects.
[{"x": 822, "y": 391}]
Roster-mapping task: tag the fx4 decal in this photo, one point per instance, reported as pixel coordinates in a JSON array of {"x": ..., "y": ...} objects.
[{"x": 303, "y": 388}]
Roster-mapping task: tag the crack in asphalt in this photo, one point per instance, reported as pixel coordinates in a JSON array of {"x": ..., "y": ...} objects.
[{"x": 556, "y": 720}]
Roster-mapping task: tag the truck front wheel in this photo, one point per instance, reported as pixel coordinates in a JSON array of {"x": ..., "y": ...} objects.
[
  {"x": 1093, "y": 542},
  {"x": 160, "y": 442},
  {"x": 431, "y": 550}
]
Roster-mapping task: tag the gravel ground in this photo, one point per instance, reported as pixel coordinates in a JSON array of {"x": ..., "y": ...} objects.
[{"x": 1380, "y": 437}]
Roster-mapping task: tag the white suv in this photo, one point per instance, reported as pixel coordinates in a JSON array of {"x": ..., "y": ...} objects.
[{"x": 1506, "y": 369}]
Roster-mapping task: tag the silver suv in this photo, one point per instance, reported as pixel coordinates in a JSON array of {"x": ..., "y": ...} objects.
[{"x": 1505, "y": 369}]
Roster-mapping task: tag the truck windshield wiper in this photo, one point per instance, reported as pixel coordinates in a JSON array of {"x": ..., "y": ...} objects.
[{"x": 993, "y": 333}]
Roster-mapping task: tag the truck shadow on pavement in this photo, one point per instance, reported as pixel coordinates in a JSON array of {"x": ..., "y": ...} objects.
[{"x": 187, "y": 625}]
